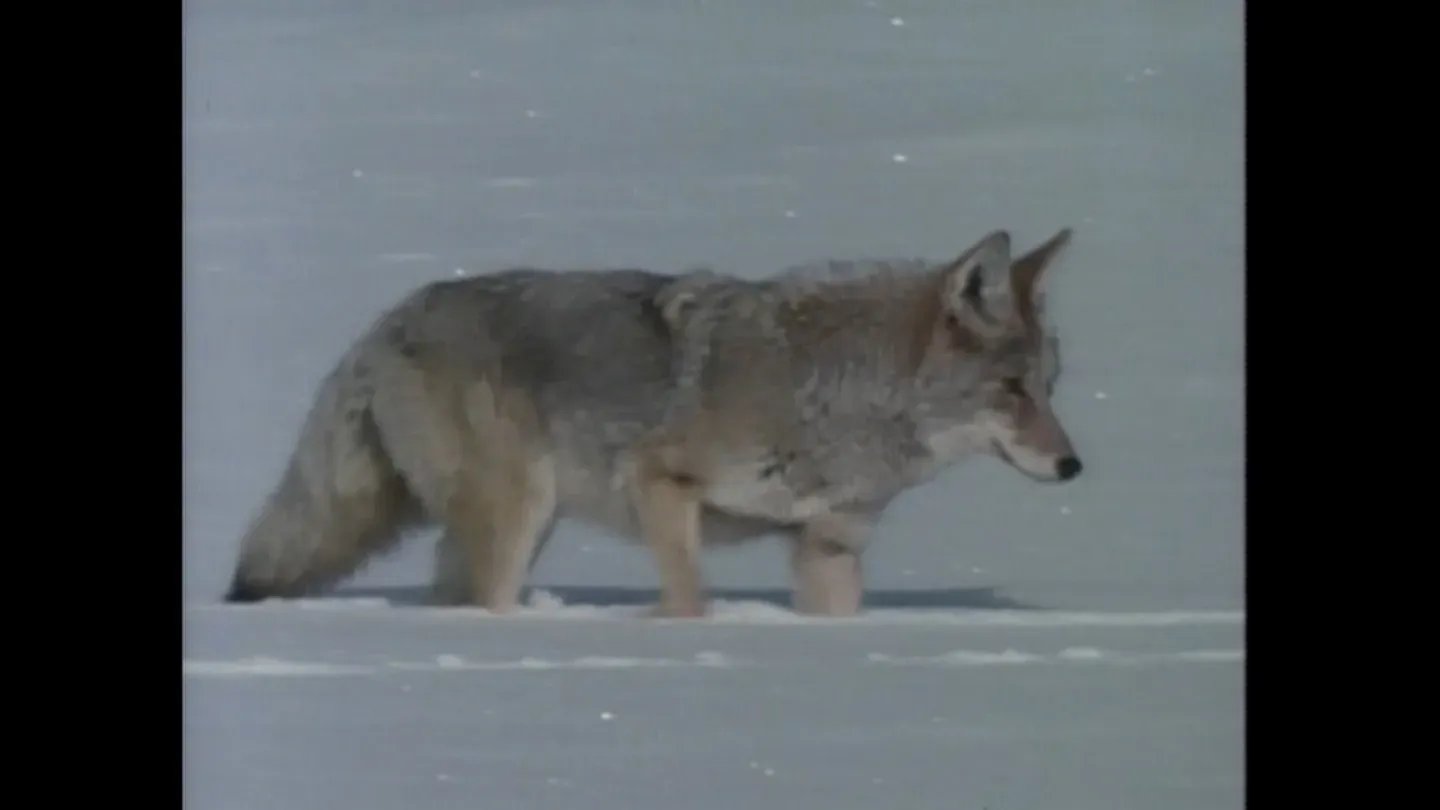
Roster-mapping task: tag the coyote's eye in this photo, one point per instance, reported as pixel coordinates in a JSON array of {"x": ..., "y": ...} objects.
[{"x": 1014, "y": 386}]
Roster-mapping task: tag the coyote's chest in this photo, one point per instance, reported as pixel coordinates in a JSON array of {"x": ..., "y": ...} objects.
[
  {"x": 758, "y": 490},
  {"x": 799, "y": 488},
  {"x": 849, "y": 475}
]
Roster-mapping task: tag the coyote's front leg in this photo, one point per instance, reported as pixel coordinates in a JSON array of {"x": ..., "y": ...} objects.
[
  {"x": 667, "y": 507},
  {"x": 825, "y": 565}
]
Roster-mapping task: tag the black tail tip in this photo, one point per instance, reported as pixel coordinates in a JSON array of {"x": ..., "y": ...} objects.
[{"x": 245, "y": 593}]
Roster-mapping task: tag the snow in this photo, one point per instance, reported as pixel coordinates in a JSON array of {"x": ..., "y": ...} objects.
[
  {"x": 363, "y": 704},
  {"x": 1024, "y": 646}
]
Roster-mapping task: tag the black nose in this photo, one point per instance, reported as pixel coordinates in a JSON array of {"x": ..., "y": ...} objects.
[{"x": 1068, "y": 467}]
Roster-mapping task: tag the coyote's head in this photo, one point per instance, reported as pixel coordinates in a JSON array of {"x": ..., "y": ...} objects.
[{"x": 989, "y": 347}]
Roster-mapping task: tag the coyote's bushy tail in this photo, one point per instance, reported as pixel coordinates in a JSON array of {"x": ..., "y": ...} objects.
[{"x": 339, "y": 503}]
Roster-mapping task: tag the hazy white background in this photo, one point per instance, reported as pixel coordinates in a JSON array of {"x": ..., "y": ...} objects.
[{"x": 339, "y": 153}]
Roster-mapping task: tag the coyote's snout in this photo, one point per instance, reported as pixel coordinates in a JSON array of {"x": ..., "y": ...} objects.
[
  {"x": 1041, "y": 451},
  {"x": 1026, "y": 433}
]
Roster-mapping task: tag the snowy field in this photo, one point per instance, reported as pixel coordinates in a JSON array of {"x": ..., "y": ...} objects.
[{"x": 1025, "y": 647}]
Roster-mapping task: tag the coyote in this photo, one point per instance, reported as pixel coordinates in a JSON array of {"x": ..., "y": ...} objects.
[{"x": 687, "y": 410}]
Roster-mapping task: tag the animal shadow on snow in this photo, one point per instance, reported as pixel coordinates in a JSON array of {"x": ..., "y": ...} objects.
[{"x": 981, "y": 598}]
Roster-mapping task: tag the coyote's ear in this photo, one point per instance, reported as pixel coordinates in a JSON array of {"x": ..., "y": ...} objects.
[
  {"x": 1027, "y": 274},
  {"x": 970, "y": 281}
]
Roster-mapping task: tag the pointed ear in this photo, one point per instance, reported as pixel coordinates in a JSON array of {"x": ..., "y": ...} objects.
[
  {"x": 1028, "y": 273},
  {"x": 970, "y": 281}
]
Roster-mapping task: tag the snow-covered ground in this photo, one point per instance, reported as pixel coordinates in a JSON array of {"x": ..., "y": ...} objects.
[{"x": 1027, "y": 647}]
